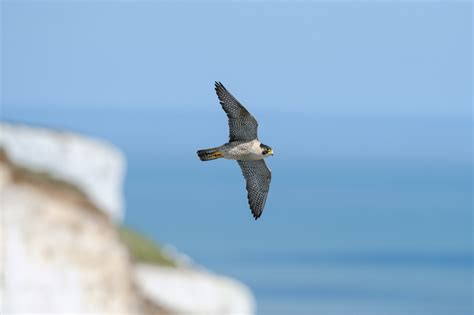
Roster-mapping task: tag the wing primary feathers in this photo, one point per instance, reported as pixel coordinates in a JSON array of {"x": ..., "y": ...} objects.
[
  {"x": 242, "y": 125},
  {"x": 258, "y": 177}
]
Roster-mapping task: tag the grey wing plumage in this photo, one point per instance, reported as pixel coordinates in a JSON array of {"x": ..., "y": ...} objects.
[
  {"x": 258, "y": 177},
  {"x": 242, "y": 125}
]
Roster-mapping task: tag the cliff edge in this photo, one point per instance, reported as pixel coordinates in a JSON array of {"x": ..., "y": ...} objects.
[{"x": 60, "y": 246}]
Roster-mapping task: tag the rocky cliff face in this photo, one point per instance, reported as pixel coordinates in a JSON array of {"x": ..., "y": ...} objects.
[
  {"x": 93, "y": 166},
  {"x": 60, "y": 251}
]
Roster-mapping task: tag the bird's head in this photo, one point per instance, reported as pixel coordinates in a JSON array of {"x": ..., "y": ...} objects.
[{"x": 266, "y": 150}]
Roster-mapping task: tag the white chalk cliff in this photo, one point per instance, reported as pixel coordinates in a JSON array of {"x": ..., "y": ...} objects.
[
  {"x": 95, "y": 167},
  {"x": 60, "y": 252}
]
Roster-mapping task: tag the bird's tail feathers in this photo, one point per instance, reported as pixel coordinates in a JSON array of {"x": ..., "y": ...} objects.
[{"x": 210, "y": 154}]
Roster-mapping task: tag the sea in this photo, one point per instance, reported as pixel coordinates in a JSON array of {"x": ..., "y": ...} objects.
[{"x": 367, "y": 214}]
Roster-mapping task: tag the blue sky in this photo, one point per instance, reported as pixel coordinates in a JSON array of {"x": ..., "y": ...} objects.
[{"x": 356, "y": 58}]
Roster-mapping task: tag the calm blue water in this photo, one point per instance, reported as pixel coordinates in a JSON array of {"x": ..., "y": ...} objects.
[{"x": 366, "y": 214}]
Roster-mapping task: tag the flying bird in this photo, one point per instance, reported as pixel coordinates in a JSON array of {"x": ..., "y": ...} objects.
[{"x": 245, "y": 148}]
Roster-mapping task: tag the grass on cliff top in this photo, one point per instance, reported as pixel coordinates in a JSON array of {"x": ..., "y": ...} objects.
[{"x": 144, "y": 250}]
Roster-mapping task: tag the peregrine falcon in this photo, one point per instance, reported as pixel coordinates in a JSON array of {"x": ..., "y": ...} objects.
[{"x": 244, "y": 147}]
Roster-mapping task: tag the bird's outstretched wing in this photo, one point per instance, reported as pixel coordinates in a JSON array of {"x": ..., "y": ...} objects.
[
  {"x": 258, "y": 177},
  {"x": 242, "y": 125}
]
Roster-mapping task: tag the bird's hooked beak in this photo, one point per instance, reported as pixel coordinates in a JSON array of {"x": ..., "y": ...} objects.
[{"x": 270, "y": 152}]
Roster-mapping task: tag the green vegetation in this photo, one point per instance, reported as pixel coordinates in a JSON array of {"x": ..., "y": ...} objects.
[{"x": 144, "y": 250}]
